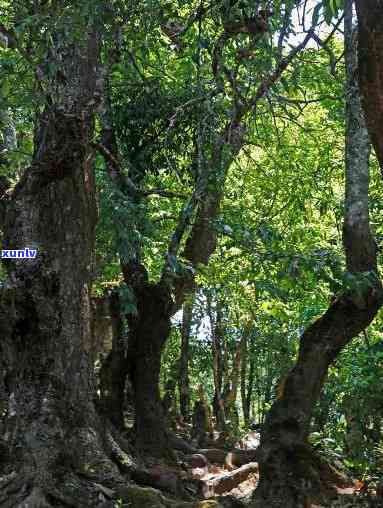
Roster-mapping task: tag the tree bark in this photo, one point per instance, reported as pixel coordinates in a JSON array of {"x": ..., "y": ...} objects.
[
  {"x": 250, "y": 385},
  {"x": 370, "y": 51},
  {"x": 148, "y": 332},
  {"x": 288, "y": 476},
  {"x": 113, "y": 371},
  {"x": 184, "y": 387},
  {"x": 52, "y": 430},
  {"x": 218, "y": 361},
  {"x": 245, "y": 355}
]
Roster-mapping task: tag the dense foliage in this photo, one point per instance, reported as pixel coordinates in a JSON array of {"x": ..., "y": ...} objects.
[{"x": 185, "y": 81}]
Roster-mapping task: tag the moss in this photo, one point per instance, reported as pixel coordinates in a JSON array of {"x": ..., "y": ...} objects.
[
  {"x": 146, "y": 497},
  {"x": 139, "y": 497}
]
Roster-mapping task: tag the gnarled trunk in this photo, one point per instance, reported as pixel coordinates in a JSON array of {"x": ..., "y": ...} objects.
[
  {"x": 52, "y": 429},
  {"x": 148, "y": 332},
  {"x": 288, "y": 475}
]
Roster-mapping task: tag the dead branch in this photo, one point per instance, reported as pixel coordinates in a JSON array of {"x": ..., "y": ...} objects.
[{"x": 224, "y": 483}]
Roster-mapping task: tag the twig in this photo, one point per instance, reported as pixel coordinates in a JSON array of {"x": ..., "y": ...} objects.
[
  {"x": 324, "y": 45},
  {"x": 287, "y": 100},
  {"x": 125, "y": 180},
  {"x": 282, "y": 34},
  {"x": 283, "y": 64}
]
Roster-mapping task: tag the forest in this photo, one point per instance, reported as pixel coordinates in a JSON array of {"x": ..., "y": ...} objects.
[{"x": 191, "y": 230}]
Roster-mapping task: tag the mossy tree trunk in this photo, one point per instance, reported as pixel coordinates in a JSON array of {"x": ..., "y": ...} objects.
[{"x": 52, "y": 430}]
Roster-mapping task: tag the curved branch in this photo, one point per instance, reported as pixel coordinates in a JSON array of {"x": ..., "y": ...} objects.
[{"x": 284, "y": 454}]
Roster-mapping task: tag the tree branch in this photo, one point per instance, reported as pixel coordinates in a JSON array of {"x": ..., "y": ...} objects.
[
  {"x": 124, "y": 181},
  {"x": 268, "y": 82}
]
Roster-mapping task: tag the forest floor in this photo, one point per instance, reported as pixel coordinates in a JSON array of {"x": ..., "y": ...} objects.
[{"x": 226, "y": 477}]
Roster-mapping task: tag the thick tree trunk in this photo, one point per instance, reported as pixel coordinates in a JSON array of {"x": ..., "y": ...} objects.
[
  {"x": 184, "y": 387},
  {"x": 288, "y": 475},
  {"x": 52, "y": 429},
  {"x": 148, "y": 332}
]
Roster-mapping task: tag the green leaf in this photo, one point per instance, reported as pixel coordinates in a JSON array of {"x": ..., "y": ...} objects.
[
  {"x": 328, "y": 15},
  {"x": 332, "y": 6},
  {"x": 316, "y": 13},
  {"x": 5, "y": 87}
]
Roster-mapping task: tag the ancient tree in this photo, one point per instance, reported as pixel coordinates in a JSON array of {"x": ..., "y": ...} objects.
[
  {"x": 52, "y": 433},
  {"x": 288, "y": 474}
]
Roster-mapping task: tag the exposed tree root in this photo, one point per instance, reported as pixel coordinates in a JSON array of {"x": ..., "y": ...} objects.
[
  {"x": 226, "y": 482},
  {"x": 69, "y": 492},
  {"x": 94, "y": 470},
  {"x": 168, "y": 482},
  {"x": 85, "y": 477},
  {"x": 178, "y": 443},
  {"x": 36, "y": 499}
]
